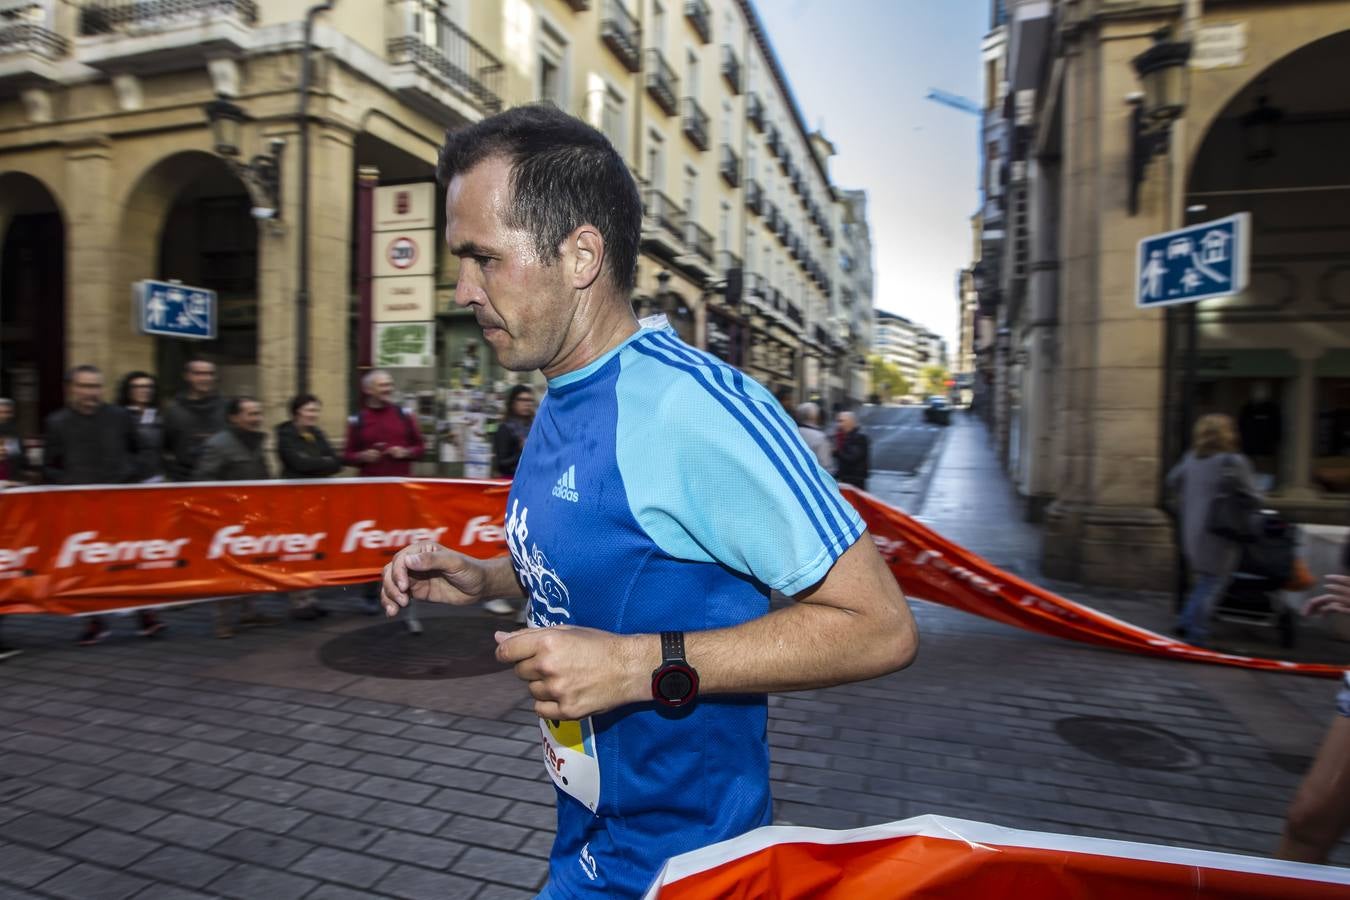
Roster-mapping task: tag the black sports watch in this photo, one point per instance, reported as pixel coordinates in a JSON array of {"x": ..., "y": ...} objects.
[{"x": 674, "y": 683}]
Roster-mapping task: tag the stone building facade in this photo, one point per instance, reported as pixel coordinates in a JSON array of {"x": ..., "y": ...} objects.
[
  {"x": 109, "y": 174},
  {"x": 1093, "y": 399}
]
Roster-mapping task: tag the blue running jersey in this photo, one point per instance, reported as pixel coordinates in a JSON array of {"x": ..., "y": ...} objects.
[{"x": 662, "y": 490}]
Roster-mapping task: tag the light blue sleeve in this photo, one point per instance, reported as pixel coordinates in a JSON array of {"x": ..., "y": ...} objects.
[{"x": 715, "y": 471}]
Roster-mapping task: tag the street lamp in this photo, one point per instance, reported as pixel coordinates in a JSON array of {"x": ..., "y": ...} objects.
[
  {"x": 1162, "y": 72},
  {"x": 262, "y": 174},
  {"x": 1258, "y": 130}
]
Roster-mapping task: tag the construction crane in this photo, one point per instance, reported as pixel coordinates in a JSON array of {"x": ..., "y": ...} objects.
[{"x": 955, "y": 101}]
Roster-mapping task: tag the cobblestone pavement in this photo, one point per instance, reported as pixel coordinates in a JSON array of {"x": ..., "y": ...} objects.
[{"x": 190, "y": 767}]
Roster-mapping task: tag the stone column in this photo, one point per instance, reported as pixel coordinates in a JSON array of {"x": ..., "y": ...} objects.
[
  {"x": 98, "y": 291},
  {"x": 332, "y": 189},
  {"x": 1299, "y": 427},
  {"x": 1105, "y": 527}
]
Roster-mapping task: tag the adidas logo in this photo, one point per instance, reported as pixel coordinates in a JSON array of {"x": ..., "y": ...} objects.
[{"x": 566, "y": 488}]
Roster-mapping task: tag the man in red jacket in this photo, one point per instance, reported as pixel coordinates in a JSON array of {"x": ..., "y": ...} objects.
[{"x": 382, "y": 441}]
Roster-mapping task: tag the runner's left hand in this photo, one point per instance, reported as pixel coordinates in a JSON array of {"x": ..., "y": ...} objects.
[{"x": 577, "y": 672}]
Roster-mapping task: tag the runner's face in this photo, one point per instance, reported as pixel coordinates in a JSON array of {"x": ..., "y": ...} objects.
[{"x": 520, "y": 302}]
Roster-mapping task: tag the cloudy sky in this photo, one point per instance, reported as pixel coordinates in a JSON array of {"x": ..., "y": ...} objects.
[{"x": 861, "y": 69}]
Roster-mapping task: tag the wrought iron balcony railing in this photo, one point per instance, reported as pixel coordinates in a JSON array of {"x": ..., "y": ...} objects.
[
  {"x": 754, "y": 196},
  {"x": 456, "y": 59},
  {"x": 662, "y": 83},
  {"x": 754, "y": 110},
  {"x": 699, "y": 16},
  {"x": 664, "y": 213},
  {"x": 731, "y": 68},
  {"x": 729, "y": 166},
  {"x": 694, "y": 123},
  {"x": 112, "y": 16},
  {"x": 619, "y": 32},
  {"x": 699, "y": 240},
  {"x": 25, "y": 37}
]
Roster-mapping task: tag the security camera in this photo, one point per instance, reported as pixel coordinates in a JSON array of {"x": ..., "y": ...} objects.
[{"x": 263, "y": 212}]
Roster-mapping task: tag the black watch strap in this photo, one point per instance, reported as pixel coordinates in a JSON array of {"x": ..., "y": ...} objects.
[{"x": 672, "y": 647}]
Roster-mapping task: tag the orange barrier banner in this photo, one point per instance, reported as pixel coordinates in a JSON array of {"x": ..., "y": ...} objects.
[
  {"x": 932, "y": 857},
  {"x": 70, "y": 551},
  {"x": 931, "y": 567}
]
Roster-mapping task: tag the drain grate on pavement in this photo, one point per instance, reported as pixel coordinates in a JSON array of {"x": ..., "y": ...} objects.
[
  {"x": 1293, "y": 763},
  {"x": 1136, "y": 745},
  {"x": 449, "y": 647}
]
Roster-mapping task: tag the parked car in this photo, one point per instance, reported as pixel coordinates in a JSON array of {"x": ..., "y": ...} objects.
[{"x": 937, "y": 411}]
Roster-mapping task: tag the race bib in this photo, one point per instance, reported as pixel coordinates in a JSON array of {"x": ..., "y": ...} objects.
[{"x": 571, "y": 760}]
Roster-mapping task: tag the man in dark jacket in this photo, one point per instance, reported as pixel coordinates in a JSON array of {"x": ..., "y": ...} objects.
[
  {"x": 90, "y": 442},
  {"x": 236, "y": 454},
  {"x": 851, "y": 451},
  {"x": 191, "y": 418}
]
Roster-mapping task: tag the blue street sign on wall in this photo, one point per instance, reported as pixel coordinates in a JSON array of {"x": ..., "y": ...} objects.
[
  {"x": 1200, "y": 262},
  {"x": 170, "y": 309}
]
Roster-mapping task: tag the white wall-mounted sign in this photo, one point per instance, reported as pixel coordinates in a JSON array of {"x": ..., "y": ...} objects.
[
  {"x": 404, "y": 207},
  {"x": 407, "y": 299},
  {"x": 404, "y": 253},
  {"x": 1222, "y": 45}
]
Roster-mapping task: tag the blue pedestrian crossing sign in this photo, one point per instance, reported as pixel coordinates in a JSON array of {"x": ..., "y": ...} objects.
[
  {"x": 170, "y": 309},
  {"x": 1199, "y": 262}
]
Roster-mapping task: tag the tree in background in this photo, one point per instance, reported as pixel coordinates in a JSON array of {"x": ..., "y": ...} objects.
[
  {"x": 887, "y": 379},
  {"x": 935, "y": 381}
]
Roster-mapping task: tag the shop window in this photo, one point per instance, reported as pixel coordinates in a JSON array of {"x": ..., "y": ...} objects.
[{"x": 1331, "y": 441}]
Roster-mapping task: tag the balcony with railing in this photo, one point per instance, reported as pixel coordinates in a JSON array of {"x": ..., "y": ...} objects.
[
  {"x": 700, "y": 17},
  {"x": 28, "y": 51},
  {"x": 700, "y": 242},
  {"x": 663, "y": 222},
  {"x": 694, "y": 123},
  {"x": 754, "y": 196},
  {"x": 662, "y": 83},
  {"x": 731, "y": 68},
  {"x": 443, "y": 66},
  {"x": 729, "y": 166},
  {"x": 794, "y": 314},
  {"x": 772, "y": 140},
  {"x": 770, "y": 215},
  {"x": 619, "y": 32},
  {"x": 134, "y": 36},
  {"x": 754, "y": 111}
]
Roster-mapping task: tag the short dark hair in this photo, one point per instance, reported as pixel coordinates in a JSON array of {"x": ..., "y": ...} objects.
[
  {"x": 564, "y": 173},
  {"x": 124, "y": 390},
  {"x": 300, "y": 400},
  {"x": 235, "y": 404},
  {"x": 187, "y": 366},
  {"x": 84, "y": 369}
]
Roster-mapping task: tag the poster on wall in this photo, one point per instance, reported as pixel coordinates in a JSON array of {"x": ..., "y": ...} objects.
[{"x": 404, "y": 345}]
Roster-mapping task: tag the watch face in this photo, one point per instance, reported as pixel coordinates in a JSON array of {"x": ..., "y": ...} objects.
[{"x": 675, "y": 685}]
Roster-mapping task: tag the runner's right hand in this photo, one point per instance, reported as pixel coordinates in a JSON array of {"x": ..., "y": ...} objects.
[{"x": 428, "y": 571}]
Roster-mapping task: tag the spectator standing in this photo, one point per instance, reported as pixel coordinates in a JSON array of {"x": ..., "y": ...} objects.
[
  {"x": 195, "y": 415},
  {"x": 235, "y": 453},
  {"x": 139, "y": 396},
  {"x": 13, "y": 471},
  {"x": 89, "y": 442},
  {"x": 1197, "y": 481},
  {"x": 508, "y": 443},
  {"x": 851, "y": 451},
  {"x": 383, "y": 440},
  {"x": 808, "y": 425},
  {"x": 14, "y": 467},
  {"x": 304, "y": 452}
]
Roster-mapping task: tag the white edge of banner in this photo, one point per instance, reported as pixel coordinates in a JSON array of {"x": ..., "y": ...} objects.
[
  {"x": 271, "y": 482},
  {"x": 981, "y": 835}
]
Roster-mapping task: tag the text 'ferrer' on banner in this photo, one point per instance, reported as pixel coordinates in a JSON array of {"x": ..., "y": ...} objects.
[{"x": 82, "y": 550}]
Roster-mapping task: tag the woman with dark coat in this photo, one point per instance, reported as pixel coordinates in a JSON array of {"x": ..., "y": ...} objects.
[
  {"x": 509, "y": 441},
  {"x": 1196, "y": 481},
  {"x": 14, "y": 467},
  {"x": 139, "y": 396},
  {"x": 302, "y": 447},
  {"x": 304, "y": 452}
]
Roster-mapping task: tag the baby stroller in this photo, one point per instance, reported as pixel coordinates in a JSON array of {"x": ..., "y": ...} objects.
[{"x": 1254, "y": 596}]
